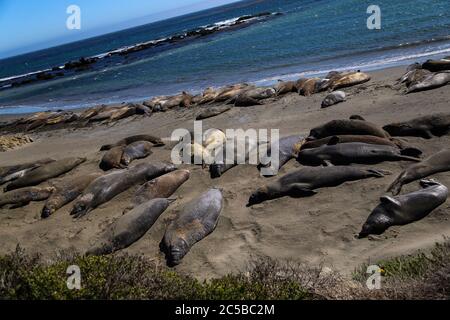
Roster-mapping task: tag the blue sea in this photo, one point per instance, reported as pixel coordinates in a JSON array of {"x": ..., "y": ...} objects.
[{"x": 309, "y": 38}]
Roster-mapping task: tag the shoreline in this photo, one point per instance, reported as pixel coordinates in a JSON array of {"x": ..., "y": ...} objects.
[{"x": 77, "y": 108}]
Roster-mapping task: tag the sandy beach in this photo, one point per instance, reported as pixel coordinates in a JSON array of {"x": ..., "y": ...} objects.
[{"x": 317, "y": 230}]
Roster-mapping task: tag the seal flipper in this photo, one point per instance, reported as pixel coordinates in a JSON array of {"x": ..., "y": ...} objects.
[
  {"x": 300, "y": 190},
  {"x": 328, "y": 163},
  {"x": 388, "y": 200}
]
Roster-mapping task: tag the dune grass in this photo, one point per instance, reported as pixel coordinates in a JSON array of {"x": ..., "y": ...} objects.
[{"x": 418, "y": 276}]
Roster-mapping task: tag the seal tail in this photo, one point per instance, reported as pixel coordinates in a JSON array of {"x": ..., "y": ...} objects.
[
  {"x": 379, "y": 173},
  {"x": 396, "y": 186},
  {"x": 409, "y": 158}
]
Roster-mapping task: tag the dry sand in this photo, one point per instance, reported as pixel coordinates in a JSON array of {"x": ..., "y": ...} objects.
[{"x": 316, "y": 230}]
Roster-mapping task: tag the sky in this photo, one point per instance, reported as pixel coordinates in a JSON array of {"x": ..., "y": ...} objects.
[{"x": 30, "y": 25}]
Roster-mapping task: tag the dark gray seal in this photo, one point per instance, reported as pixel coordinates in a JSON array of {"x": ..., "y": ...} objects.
[
  {"x": 351, "y": 152},
  {"x": 404, "y": 209},
  {"x": 437, "y": 124},
  {"x": 289, "y": 147},
  {"x": 106, "y": 187},
  {"x": 196, "y": 221},
  {"x": 45, "y": 172},
  {"x": 347, "y": 127},
  {"x": 210, "y": 112},
  {"x": 130, "y": 227},
  {"x": 407, "y": 149},
  {"x": 302, "y": 182},
  {"x": 67, "y": 191},
  {"x": 136, "y": 150},
  {"x": 22, "y": 197},
  {"x": 437, "y": 65},
  {"x": 142, "y": 137},
  {"x": 438, "y": 162}
]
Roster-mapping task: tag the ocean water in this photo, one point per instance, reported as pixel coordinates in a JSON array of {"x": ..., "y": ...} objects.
[{"x": 311, "y": 37}]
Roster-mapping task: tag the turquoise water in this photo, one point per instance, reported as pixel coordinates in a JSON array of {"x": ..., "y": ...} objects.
[{"x": 311, "y": 37}]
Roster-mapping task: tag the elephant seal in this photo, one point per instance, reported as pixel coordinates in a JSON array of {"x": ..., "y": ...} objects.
[
  {"x": 437, "y": 65},
  {"x": 22, "y": 197},
  {"x": 126, "y": 141},
  {"x": 350, "y": 79},
  {"x": 438, "y": 162},
  {"x": 231, "y": 93},
  {"x": 242, "y": 100},
  {"x": 404, "y": 209},
  {"x": 195, "y": 221},
  {"x": 437, "y": 124},
  {"x": 212, "y": 112},
  {"x": 414, "y": 76},
  {"x": 309, "y": 87},
  {"x": 136, "y": 150},
  {"x": 161, "y": 187},
  {"x": 67, "y": 191},
  {"x": 351, "y": 152},
  {"x": 289, "y": 147},
  {"x": 347, "y": 127},
  {"x": 11, "y": 173},
  {"x": 407, "y": 149},
  {"x": 302, "y": 182},
  {"x": 112, "y": 159},
  {"x": 182, "y": 100},
  {"x": 299, "y": 84},
  {"x": 129, "y": 228},
  {"x": 45, "y": 172},
  {"x": 333, "y": 98},
  {"x": 284, "y": 87},
  {"x": 431, "y": 81},
  {"x": 208, "y": 95},
  {"x": 106, "y": 187}
]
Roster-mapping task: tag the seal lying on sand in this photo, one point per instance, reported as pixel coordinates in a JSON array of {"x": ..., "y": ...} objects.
[
  {"x": 106, "y": 187},
  {"x": 438, "y": 162},
  {"x": 431, "y": 81},
  {"x": 197, "y": 220},
  {"x": 136, "y": 150},
  {"x": 161, "y": 187},
  {"x": 309, "y": 87},
  {"x": 130, "y": 227},
  {"x": 143, "y": 137},
  {"x": 67, "y": 191},
  {"x": 242, "y": 100},
  {"x": 351, "y": 152},
  {"x": 333, "y": 98},
  {"x": 289, "y": 147},
  {"x": 404, "y": 209},
  {"x": 302, "y": 182},
  {"x": 112, "y": 159},
  {"x": 22, "y": 197},
  {"x": 437, "y": 65},
  {"x": 414, "y": 76},
  {"x": 347, "y": 127},
  {"x": 212, "y": 112},
  {"x": 407, "y": 149},
  {"x": 437, "y": 124},
  {"x": 11, "y": 173},
  {"x": 45, "y": 172},
  {"x": 349, "y": 80}
]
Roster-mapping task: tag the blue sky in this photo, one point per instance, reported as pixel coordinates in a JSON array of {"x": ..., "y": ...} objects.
[{"x": 29, "y": 25}]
